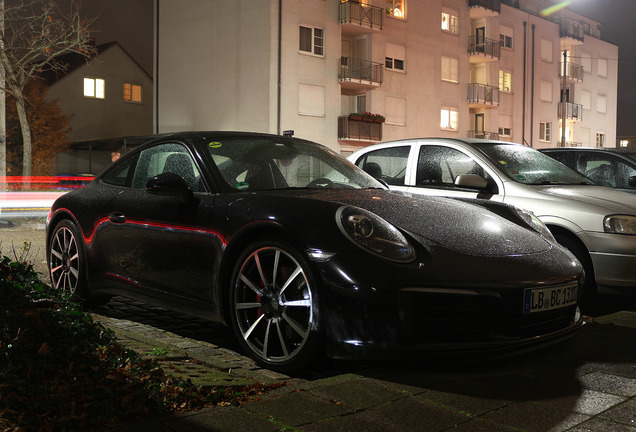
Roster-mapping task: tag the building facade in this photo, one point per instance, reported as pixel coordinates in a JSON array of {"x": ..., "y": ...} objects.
[
  {"x": 108, "y": 96},
  {"x": 508, "y": 70}
]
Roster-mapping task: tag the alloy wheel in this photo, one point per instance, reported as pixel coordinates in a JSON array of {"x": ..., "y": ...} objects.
[
  {"x": 273, "y": 305},
  {"x": 64, "y": 260}
]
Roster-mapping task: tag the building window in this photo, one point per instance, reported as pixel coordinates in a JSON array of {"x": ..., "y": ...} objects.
[
  {"x": 395, "y": 57},
  {"x": 586, "y": 62},
  {"x": 505, "y": 81},
  {"x": 600, "y": 139},
  {"x": 312, "y": 40},
  {"x": 601, "y": 103},
  {"x": 545, "y": 131},
  {"x": 505, "y": 37},
  {"x": 132, "y": 92},
  {"x": 94, "y": 88},
  {"x": 449, "y": 69},
  {"x": 545, "y": 91},
  {"x": 395, "y": 110},
  {"x": 311, "y": 100},
  {"x": 448, "y": 119},
  {"x": 585, "y": 97},
  {"x": 450, "y": 23},
  {"x": 396, "y": 8},
  {"x": 602, "y": 68},
  {"x": 503, "y": 131},
  {"x": 546, "y": 50}
]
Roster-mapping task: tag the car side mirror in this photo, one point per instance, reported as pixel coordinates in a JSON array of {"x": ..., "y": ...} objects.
[
  {"x": 170, "y": 184},
  {"x": 632, "y": 181},
  {"x": 472, "y": 181}
]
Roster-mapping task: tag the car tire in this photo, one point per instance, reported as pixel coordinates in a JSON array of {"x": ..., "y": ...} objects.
[
  {"x": 274, "y": 306},
  {"x": 589, "y": 295},
  {"x": 66, "y": 259},
  {"x": 67, "y": 263}
]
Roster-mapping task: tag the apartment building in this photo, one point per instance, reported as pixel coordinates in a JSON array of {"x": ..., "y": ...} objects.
[{"x": 508, "y": 70}]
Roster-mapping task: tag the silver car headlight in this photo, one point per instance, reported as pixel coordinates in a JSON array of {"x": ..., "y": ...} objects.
[
  {"x": 620, "y": 224},
  {"x": 373, "y": 234},
  {"x": 534, "y": 222}
]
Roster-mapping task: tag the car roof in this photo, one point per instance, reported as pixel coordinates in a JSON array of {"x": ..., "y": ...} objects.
[
  {"x": 623, "y": 151},
  {"x": 470, "y": 141}
]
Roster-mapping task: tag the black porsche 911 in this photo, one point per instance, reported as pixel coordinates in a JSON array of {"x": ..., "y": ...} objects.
[{"x": 303, "y": 254}]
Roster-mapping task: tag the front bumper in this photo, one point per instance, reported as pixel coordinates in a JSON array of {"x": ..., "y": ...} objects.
[{"x": 375, "y": 313}]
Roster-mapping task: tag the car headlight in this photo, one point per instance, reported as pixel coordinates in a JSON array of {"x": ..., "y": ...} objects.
[
  {"x": 620, "y": 224},
  {"x": 374, "y": 234},
  {"x": 534, "y": 222}
]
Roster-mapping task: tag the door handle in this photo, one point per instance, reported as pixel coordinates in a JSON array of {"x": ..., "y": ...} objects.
[{"x": 117, "y": 218}]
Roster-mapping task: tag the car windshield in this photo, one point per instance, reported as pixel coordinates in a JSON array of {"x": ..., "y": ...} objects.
[
  {"x": 274, "y": 163},
  {"x": 529, "y": 166}
]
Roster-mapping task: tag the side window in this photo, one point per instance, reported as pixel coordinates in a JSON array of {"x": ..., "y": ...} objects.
[
  {"x": 166, "y": 158},
  {"x": 565, "y": 158},
  {"x": 387, "y": 164},
  {"x": 439, "y": 166},
  {"x": 118, "y": 175},
  {"x": 601, "y": 169}
]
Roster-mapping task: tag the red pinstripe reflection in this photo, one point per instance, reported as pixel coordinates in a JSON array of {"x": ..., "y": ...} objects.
[{"x": 89, "y": 239}]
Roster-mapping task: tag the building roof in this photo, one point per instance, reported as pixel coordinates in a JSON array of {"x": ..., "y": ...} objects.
[{"x": 74, "y": 61}]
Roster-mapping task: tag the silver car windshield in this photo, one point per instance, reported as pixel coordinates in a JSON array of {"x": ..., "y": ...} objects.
[
  {"x": 529, "y": 166},
  {"x": 266, "y": 163}
]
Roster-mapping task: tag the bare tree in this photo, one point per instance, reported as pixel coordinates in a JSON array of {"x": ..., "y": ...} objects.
[{"x": 36, "y": 33}]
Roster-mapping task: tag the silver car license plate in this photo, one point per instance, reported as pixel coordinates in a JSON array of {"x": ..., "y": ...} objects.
[{"x": 543, "y": 299}]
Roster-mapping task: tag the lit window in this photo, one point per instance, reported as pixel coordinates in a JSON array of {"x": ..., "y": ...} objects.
[
  {"x": 449, "y": 69},
  {"x": 94, "y": 88},
  {"x": 132, "y": 92},
  {"x": 505, "y": 81},
  {"x": 396, "y": 8},
  {"x": 312, "y": 40},
  {"x": 624, "y": 143},
  {"x": 450, "y": 23},
  {"x": 448, "y": 119},
  {"x": 545, "y": 131},
  {"x": 600, "y": 139}
]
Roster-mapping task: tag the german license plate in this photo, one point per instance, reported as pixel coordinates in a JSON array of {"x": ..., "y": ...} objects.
[{"x": 543, "y": 299}]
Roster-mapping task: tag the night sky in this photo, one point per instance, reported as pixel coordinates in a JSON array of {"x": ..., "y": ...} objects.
[{"x": 130, "y": 23}]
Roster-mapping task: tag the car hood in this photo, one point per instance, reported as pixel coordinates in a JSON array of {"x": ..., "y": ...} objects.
[
  {"x": 609, "y": 200},
  {"x": 462, "y": 226}
]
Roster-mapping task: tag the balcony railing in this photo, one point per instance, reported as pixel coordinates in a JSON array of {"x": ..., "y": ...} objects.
[
  {"x": 362, "y": 71},
  {"x": 483, "y": 46},
  {"x": 573, "y": 111},
  {"x": 573, "y": 71},
  {"x": 359, "y": 130},
  {"x": 355, "y": 12},
  {"x": 492, "y": 5},
  {"x": 483, "y": 94},
  {"x": 483, "y": 135},
  {"x": 571, "y": 29}
]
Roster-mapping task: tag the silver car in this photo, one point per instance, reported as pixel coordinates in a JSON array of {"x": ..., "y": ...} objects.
[{"x": 597, "y": 224}]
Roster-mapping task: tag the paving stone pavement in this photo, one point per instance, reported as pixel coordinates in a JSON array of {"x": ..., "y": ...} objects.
[{"x": 585, "y": 384}]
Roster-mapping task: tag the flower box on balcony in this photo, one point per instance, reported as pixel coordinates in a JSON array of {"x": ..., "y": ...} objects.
[{"x": 355, "y": 117}]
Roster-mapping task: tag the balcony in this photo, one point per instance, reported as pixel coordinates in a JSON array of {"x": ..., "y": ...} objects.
[
  {"x": 483, "y": 49},
  {"x": 357, "y": 17},
  {"x": 573, "y": 72},
  {"x": 482, "y": 96},
  {"x": 484, "y": 8},
  {"x": 356, "y": 130},
  {"x": 572, "y": 32},
  {"x": 573, "y": 111},
  {"x": 359, "y": 74},
  {"x": 483, "y": 135}
]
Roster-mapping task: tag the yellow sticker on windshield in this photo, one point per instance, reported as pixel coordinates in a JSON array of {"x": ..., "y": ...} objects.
[
  {"x": 503, "y": 162},
  {"x": 215, "y": 144}
]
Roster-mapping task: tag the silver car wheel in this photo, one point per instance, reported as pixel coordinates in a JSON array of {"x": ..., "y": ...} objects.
[
  {"x": 64, "y": 260},
  {"x": 273, "y": 305}
]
